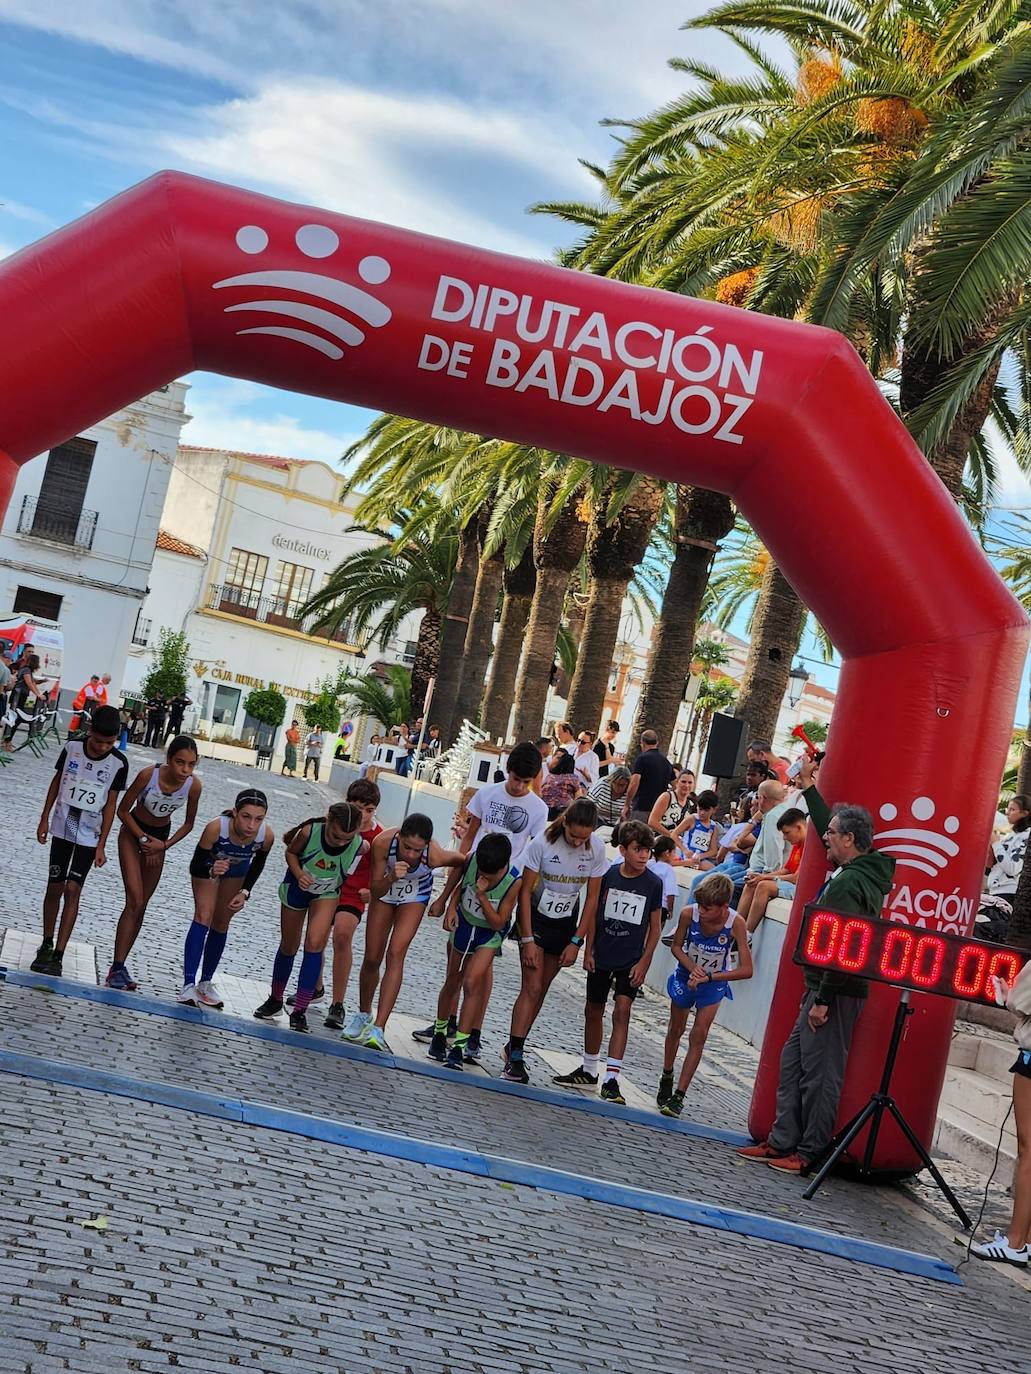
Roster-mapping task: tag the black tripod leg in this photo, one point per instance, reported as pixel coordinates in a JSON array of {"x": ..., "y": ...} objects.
[
  {"x": 929, "y": 1165},
  {"x": 843, "y": 1141}
]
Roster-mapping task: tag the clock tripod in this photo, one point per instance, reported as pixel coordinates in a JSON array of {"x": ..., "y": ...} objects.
[{"x": 880, "y": 1102}]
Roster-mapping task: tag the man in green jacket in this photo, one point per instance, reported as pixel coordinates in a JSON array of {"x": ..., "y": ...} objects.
[{"x": 812, "y": 1065}]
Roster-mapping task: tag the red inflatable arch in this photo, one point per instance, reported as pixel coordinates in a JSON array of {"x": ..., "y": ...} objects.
[{"x": 179, "y": 273}]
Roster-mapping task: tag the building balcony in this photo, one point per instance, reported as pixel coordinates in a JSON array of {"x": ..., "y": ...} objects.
[
  {"x": 57, "y": 524},
  {"x": 274, "y": 611}
]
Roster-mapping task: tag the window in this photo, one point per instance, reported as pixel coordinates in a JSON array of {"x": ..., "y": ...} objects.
[
  {"x": 62, "y": 492},
  {"x": 246, "y": 571},
  {"x": 141, "y": 634},
  {"x": 227, "y": 703},
  {"x": 293, "y": 587},
  {"x": 31, "y": 601},
  {"x": 411, "y": 648}
]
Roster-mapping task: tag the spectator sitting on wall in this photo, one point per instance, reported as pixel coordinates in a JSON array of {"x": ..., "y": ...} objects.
[
  {"x": 759, "y": 751},
  {"x": 608, "y": 793},
  {"x": 1003, "y": 867}
]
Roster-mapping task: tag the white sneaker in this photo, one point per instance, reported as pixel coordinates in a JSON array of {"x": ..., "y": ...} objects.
[
  {"x": 999, "y": 1248},
  {"x": 208, "y": 995},
  {"x": 374, "y": 1039},
  {"x": 356, "y": 1026},
  {"x": 188, "y": 996}
]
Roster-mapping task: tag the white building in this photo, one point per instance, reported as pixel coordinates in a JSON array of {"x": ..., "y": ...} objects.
[
  {"x": 245, "y": 539},
  {"x": 78, "y": 538}
]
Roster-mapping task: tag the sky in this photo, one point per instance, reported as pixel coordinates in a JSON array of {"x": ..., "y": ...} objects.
[{"x": 447, "y": 116}]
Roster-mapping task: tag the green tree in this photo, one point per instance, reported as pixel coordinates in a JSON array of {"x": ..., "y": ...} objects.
[
  {"x": 715, "y": 694},
  {"x": 389, "y": 702},
  {"x": 168, "y": 675},
  {"x": 266, "y": 705},
  {"x": 816, "y": 730}
]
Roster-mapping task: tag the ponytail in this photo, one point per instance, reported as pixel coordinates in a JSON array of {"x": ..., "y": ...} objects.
[{"x": 290, "y": 835}]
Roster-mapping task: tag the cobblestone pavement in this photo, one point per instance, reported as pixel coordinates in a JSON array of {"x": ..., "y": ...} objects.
[{"x": 229, "y": 1247}]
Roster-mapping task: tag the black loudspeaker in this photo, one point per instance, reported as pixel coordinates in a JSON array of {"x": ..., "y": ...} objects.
[{"x": 728, "y": 744}]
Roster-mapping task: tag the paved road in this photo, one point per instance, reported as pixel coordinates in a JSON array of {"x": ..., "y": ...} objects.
[{"x": 229, "y": 1247}]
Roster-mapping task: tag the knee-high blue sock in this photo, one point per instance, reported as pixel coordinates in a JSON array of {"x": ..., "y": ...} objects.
[
  {"x": 195, "y": 938},
  {"x": 281, "y": 970},
  {"x": 307, "y": 979},
  {"x": 213, "y": 947}
]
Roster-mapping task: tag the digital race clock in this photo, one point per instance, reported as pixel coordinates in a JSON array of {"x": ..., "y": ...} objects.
[{"x": 887, "y": 952}]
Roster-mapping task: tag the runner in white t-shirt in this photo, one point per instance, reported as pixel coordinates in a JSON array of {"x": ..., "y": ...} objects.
[
  {"x": 562, "y": 873},
  {"x": 510, "y": 808}
]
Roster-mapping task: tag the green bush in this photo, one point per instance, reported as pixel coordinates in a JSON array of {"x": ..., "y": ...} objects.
[{"x": 168, "y": 674}]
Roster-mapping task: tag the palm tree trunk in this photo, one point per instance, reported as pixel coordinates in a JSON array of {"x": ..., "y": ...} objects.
[
  {"x": 597, "y": 645},
  {"x": 539, "y": 651},
  {"x": 776, "y": 631},
  {"x": 703, "y": 518},
  {"x": 476, "y": 651},
  {"x": 456, "y": 624},
  {"x": 504, "y": 667},
  {"x": 703, "y": 738},
  {"x": 1024, "y": 770},
  {"x": 427, "y": 657}
]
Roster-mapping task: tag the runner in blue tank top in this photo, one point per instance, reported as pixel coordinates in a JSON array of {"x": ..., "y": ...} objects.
[
  {"x": 227, "y": 862},
  {"x": 705, "y": 940}
]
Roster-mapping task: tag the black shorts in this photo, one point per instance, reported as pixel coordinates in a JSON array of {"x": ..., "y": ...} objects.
[
  {"x": 1023, "y": 1064},
  {"x": 552, "y": 935},
  {"x": 601, "y": 980},
  {"x": 70, "y": 862},
  {"x": 159, "y": 831},
  {"x": 352, "y": 909}
]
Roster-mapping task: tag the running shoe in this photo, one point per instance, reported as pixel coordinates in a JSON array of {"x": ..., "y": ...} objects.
[
  {"x": 427, "y": 1033},
  {"x": 455, "y": 1058},
  {"x": 374, "y": 1038},
  {"x": 473, "y": 1048},
  {"x": 299, "y": 1022},
  {"x": 208, "y": 995},
  {"x": 610, "y": 1092},
  {"x": 789, "y": 1164},
  {"x": 335, "y": 1016},
  {"x": 271, "y": 1006},
  {"x": 438, "y": 1048},
  {"x": 188, "y": 996},
  {"x": 665, "y": 1091},
  {"x": 55, "y": 964},
  {"x": 357, "y": 1026},
  {"x": 119, "y": 978},
  {"x": 673, "y": 1105},
  {"x": 46, "y": 949},
  {"x": 579, "y": 1078},
  {"x": 515, "y": 1072},
  {"x": 317, "y": 996},
  {"x": 759, "y": 1154},
  {"x": 999, "y": 1248}
]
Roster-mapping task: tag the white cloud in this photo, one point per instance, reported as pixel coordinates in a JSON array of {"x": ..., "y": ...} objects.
[
  {"x": 17, "y": 210},
  {"x": 235, "y": 415},
  {"x": 5, "y": 250}
]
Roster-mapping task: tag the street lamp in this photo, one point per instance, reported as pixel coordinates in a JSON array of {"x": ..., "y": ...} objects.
[{"x": 797, "y": 679}]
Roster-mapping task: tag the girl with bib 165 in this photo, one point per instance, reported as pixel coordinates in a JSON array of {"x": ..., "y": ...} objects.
[
  {"x": 229, "y": 858},
  {"x": 708, "y": 935},
  {"x": 147, "y": 812},
  {"x": 320, "y": 853}
]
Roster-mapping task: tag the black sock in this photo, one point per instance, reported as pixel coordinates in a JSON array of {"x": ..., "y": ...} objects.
[{"x": 515, "y": 1046}]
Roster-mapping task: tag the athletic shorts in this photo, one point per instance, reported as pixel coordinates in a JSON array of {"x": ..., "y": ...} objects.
[
  {"x": 70, "y": 862},
  {"x": 704, "y": 995},
  {"x": 552, "y": 935},
  {"x": 352, "y": 909},
  {"x": 1022, "y": 1065},
  {"x": 292, "y": 895},
  {"x": 786, "y": 888},
  {"x": 466, "y": 937},
  {"x": 601, "y": 980},
  {"x": 159, "y": 831}
]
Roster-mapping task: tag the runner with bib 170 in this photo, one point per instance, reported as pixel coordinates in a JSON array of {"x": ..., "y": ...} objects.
[
  {"x": 320, "y": 853},
  {"x": 400, "y": 884}
]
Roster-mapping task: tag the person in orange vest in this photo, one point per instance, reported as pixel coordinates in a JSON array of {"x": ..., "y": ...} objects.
[{"x": 89, "y": 693}]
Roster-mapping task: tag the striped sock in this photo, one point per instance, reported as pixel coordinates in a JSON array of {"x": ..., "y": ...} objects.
[
  {"x": 282, "y": 967},
  {"x": 440, "y": 1025},
  {"x": 613, "y": 1067},
  {"x": 307, "y": 979},
  {"x": 461, "y": 1040}
]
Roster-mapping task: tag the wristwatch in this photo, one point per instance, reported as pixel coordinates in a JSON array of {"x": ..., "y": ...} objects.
[
  {"x": 144, "y": 839},
  {"x": 820, "y": 1002},
  {"x": 576, "y": 940}
]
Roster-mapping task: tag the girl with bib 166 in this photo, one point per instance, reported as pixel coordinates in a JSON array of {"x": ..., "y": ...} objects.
[
  {"x": 320, "y": 853},
  {"x": 706, "y": 938},
  {"x": 147, "y": 812},
  {"x": 227, "y": 862}
]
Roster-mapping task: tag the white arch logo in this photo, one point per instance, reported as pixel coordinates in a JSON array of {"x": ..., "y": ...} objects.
[
  {"x": 918, "y": 847},
  {"x": 314, "y": 241}
]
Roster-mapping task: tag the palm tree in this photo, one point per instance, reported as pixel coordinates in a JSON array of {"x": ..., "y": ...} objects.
[
  {"x": 389, "y": 701},
  {"x": 559, "y": 535},
  {"x": 375, "y": 589},
  {"x": 519, "y": 582},
  {"x": 624, "y": 515},
  {"x": 715, "y": 694}
]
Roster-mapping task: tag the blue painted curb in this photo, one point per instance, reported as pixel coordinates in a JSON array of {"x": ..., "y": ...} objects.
[
  {"x": 338, "y": 1049},
  {"x": 496, "y": 1167}
]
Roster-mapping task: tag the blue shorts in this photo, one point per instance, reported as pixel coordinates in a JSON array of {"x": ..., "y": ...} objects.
[
  {"x": 786, "y": 888},
  {"x": 467, "y": 938},
  {"x": 704, "y": 995},
  {"x": 292, "y": 895}
]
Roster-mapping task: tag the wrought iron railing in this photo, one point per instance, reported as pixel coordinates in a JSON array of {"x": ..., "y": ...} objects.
[
  {"x": 62, "y": 525},
  {"x": 249, "y": 604}
]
